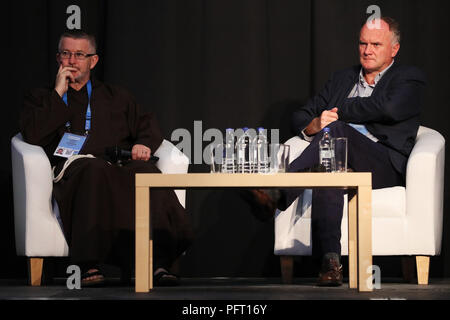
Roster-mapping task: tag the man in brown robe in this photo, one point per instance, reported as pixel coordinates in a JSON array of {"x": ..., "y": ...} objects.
[{"x": 95, "y": 197}]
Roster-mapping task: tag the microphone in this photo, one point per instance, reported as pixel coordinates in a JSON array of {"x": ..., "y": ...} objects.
[{"x": 116, "y": 154}]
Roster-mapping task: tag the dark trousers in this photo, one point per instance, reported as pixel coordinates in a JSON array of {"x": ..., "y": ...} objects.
[
  {"x": 97, "y": 206},
  {"x": 364, "y": 155}
]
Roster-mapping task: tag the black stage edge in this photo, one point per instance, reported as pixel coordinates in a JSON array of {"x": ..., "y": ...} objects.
[{"x": 225, "y": 288}]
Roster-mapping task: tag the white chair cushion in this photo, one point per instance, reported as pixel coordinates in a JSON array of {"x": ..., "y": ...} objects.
[
  {"x": 386, "y": 202},
  {"x": 389, "y": 202}
]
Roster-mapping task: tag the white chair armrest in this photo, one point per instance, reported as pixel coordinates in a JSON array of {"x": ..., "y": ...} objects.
[
  {"x": 172, "y": 160},
  {"x": 424, "y": 187},
  {"x": 33, "y": 212},
  {"x": 297, "y": 145}
]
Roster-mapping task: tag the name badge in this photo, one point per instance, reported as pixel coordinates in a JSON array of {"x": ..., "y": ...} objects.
[{"x": 70, "y": 145}]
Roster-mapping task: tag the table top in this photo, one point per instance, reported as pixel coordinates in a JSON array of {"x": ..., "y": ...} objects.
[{"x": 291, "y": 179}]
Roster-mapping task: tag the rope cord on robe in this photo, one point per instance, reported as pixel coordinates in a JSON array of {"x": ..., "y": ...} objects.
[{"x": 67, "y": 164}]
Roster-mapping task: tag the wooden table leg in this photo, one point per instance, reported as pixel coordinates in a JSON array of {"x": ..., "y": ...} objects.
[
  {"x": 150, "y": 262},
  {"x": 142, "y": 240},
  {"x": 35, "y": 266},
  {"x": 423, "y": 267},
  {"x": 365, "y": 238},
  {"x": 352, "y": 243}
]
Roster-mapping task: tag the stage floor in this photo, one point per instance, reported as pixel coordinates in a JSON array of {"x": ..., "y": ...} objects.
[{"x": 256, "y": 289}]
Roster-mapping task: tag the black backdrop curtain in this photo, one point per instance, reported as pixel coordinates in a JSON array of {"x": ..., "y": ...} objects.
[{"x": 227, "y": 63}]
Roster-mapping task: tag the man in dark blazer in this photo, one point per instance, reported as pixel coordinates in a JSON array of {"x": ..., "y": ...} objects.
[{"x": 376, "y": 105}]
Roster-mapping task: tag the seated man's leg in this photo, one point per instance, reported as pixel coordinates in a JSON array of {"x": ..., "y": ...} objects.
[
  {"x": 326, "y": 217},
  {"x": 84, "y": 197},
  {"x": 171, "y": 224},
  {"x": 364, "y": 155},
  {"x": 97, "y": 204}
]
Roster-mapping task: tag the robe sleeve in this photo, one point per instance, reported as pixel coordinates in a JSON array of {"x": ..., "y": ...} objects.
[{"x": 43, "y": 116}]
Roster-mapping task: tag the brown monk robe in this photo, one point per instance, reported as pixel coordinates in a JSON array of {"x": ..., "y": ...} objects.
[{"x": 96, "y": 198}]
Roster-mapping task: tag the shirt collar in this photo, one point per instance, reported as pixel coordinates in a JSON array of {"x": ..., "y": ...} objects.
[{"x": 363, "y": 81}]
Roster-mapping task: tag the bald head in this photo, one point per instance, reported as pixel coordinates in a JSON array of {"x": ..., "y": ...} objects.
[{"x": 392, "y": 24}]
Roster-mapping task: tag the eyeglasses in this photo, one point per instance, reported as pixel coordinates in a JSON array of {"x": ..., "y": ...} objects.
[{"x": 77, "y": 55}]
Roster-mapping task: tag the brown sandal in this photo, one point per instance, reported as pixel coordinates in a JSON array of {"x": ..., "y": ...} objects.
[{"x": 98, "y": 281}]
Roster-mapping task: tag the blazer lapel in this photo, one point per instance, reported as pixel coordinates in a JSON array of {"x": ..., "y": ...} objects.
[
  {"x": 351, "y": 80},
  {"x": 346, "y": 84}
]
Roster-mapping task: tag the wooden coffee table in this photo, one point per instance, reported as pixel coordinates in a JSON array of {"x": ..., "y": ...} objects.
[{"x": 359, "y": 215}]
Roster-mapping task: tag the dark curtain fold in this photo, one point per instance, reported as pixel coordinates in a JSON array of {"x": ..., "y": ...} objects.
[{"x": 227, "y": 63}]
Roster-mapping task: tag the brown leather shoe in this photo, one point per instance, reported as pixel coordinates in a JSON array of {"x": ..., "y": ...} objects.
[{"x": 331, "y": 274}]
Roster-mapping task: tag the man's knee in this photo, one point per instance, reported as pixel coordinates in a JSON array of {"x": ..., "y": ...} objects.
[
  {"x": 341, "y": 129},
  {"x": 337, "y": 125},
  {"x": 97, "y": 168}
]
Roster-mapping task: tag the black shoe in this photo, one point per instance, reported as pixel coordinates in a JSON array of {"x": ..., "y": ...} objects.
[
  {"x": 163, "y": 278},
  {"x": 331, "y": 274}
]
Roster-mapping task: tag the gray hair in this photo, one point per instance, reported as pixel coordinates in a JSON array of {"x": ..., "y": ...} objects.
[
  {"x": 394, "y": 27},
  {"x": 79, "y": 34}
]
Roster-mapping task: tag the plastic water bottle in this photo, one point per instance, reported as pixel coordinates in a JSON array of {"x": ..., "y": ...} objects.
[
  {"x": 261, "y": 163},
  {"x": 326, "y": 151},
  {"x": 228, "y": 160},
  {"x": 244, "y": 151}
]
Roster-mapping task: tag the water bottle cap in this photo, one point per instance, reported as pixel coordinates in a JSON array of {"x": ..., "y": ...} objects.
[
  {"x": 229, "y": 129},
  {"x": 326, "y": 129},
  {"x": 245, "y": 129},
  {"x": 260, "y": 129}
]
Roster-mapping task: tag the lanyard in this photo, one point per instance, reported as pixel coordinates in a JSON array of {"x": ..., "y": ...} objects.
[{"x": 87, "y": 126}]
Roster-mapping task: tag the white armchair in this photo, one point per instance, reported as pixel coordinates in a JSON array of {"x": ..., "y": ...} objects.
[
  {"x": 406, "y": 221},
  {"x": 37, "y": 229}
]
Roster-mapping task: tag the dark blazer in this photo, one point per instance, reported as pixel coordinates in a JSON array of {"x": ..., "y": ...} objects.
[{"x": 391, "y": 113}]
